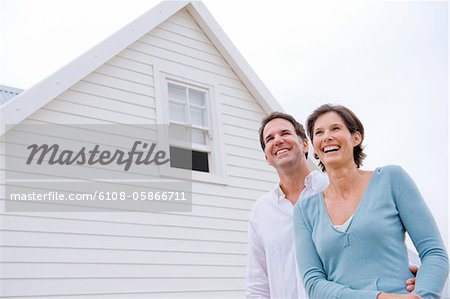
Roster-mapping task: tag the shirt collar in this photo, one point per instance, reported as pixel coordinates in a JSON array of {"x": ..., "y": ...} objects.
[
  {"x": 279, "y": 194},
  {"x": 314, "y": 180}
]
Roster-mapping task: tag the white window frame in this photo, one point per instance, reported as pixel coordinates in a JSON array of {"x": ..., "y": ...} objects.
[
  {"x": 216, "y": 159},
  {"x": 207, "y": 128}
]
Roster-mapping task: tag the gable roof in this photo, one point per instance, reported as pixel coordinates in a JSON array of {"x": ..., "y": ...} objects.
[
  {"x": 7, "y": 93},
  {"x": 32, "y": 99}
]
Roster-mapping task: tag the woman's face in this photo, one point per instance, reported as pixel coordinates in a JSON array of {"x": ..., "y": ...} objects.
[{"x": 333, "y": 142}]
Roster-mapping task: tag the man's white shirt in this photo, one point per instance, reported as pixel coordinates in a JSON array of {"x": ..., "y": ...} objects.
[{"x": 271, "y": 266}]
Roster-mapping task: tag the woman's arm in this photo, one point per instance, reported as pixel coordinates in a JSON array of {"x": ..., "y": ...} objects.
[
  {"x": 398, "y": 296},
  {"x": 420, "y": 225},
  {"x": 311, "y": 269}
]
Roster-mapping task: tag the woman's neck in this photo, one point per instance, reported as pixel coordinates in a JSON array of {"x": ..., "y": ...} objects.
[{"x": 344, "y": 181}]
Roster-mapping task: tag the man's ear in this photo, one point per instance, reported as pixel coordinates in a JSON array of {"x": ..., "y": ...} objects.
[{"x": 305, "y": 145}]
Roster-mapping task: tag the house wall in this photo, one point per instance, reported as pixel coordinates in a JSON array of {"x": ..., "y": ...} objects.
[{"x": 136, "y": 254}]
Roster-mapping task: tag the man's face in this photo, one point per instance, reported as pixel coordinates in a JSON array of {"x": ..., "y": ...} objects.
[{"x": 283, "y": 147}]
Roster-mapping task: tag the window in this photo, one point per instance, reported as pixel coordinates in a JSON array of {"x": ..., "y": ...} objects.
[
  {"x": 189, "y": 104},
  {"x": 189, "y": 129}
]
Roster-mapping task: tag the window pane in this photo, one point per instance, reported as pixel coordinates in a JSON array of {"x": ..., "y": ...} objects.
[
  {"x": 177, "y": 112},
  {"x": 177, "y": 92},
  {"x": 196, "y": 97},
  {"x": 189, "y": 159},
  {"x": 180, "y": 133},
  {"x": 198, "y": 136},
  {"x": 198, "y": 116}
]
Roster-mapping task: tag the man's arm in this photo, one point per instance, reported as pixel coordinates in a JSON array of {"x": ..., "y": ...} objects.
[{"x": 256, "y": 277}]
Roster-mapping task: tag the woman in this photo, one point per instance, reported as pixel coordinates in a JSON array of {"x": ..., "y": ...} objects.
[{"x": 350, "y": 238}]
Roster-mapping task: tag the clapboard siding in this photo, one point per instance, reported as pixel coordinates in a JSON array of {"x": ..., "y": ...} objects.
[
  {"x": 147, "y": 254},
  {"x": 255, "y": 164},
  {"x": 125, "y": 242},
  {"x": 144, "y": 51},
  {"x": 41, "y": 254},
  {"x": 251, "y": 124},
  {"x": 250, "y": 114},
  {"x": 192, "y": 32},
  {"x": 108, "y": 104},
  {"x": 173, "y": 37},
  {"x": 89, "y": 285},
  {"x": 119, "y": 229},
  {"x": 233, "y": 130},
  {"x": 119, "y": 84},
  {"x": 248, "y": 173},
  {"x": 80, "y": 270},
  {"x": 217, "y": 294},
  {"x": 238, "y": 103},
  {"x": 125, "y": 73},
  {"x": 144, "y": 219},
  {"x": 114, "y": 93},
  {"x": 183, "y": 18},
  {"x": 197, "y": 53},
  {"x": 240, "y": 141},
  {"x": 137, "y": 68},
  {"x": 89, "y": 110}
]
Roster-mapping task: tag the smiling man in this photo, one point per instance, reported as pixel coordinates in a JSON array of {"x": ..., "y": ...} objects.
[{"x": 271, "y": 269}]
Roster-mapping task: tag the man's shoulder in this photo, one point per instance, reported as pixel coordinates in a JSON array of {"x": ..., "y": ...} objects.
[
  {"x": 265, "y": 199},
  {"x": 319, "y": 178},
  {"x": 315, "y": 182},
  {"x": 263, "y": 202}
]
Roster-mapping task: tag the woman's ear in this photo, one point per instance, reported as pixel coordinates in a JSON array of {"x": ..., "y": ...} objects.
[{"x": 357, "y": 138}]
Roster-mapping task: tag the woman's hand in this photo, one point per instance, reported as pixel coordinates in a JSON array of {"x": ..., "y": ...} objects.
[{"x": 398, "y": 296}]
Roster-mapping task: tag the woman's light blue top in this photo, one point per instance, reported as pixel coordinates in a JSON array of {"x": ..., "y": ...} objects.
[{"x": 371, "y": 255}]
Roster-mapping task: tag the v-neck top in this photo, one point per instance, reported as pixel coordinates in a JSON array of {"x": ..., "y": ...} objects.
[
  {"x": 371, "y": 255},
  {"x": 343, "y": 227},
  {"x": 350, "y": 220}
]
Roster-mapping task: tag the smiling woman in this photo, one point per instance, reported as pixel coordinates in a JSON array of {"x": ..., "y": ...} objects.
[
  {"x": 321, "y": 127},
  {"x": 350, "y": 238}
]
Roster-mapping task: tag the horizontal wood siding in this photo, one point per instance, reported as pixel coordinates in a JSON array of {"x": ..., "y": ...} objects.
[{"x": 201, "y": 254}]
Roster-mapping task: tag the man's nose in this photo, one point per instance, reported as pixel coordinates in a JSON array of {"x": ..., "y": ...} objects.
[{"x": 278, "y": 139}]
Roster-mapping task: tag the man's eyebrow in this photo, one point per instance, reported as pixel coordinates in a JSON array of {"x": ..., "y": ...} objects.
[
  {"x": 281, "y": 132},
  {"x": 267, "y": 137}
]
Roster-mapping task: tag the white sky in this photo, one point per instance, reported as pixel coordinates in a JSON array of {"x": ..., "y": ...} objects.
[{"x": 387, "y": 61}]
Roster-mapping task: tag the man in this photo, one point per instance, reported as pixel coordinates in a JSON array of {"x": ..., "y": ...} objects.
[{"x": 272, "y": 268}]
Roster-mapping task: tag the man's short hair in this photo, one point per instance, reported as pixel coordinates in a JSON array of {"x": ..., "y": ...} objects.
[{"x": 299, "y": 129}]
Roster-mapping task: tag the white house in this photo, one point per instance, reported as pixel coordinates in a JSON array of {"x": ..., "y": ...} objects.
[{"x": 129, "y": 78}]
